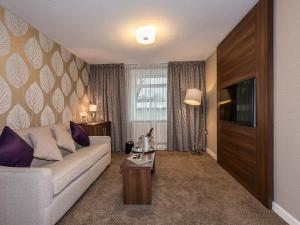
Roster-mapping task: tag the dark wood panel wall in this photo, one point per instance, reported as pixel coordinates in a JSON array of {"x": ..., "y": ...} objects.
[{"x": 247, "y": 52}]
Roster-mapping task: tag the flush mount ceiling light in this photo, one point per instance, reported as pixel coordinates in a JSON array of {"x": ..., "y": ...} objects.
[{"x": 145, "y": 35}]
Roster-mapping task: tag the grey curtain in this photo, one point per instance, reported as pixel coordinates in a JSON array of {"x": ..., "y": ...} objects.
[
  {"x": 186, "y": 124},
  {"x": 107, "y": 90}
]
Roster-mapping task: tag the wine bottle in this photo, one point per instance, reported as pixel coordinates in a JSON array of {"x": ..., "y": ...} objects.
[{"x": 149, "y": 133}]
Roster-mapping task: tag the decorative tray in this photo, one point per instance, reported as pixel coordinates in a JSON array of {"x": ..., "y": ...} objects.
[{"x": 140, "y": 150}]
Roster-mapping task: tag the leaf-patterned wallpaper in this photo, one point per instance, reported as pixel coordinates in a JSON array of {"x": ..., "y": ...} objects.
[{"x": 41, "y": 83}]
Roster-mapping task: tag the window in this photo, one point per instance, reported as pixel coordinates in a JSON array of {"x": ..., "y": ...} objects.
[
  {"x": 147, "y": 102},
  {"x": 151, "y": 98},
  {"x": 148, "y": 93}
]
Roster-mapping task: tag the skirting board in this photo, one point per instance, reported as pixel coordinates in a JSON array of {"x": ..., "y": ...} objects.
[
  {"x": 284, "y": 214},
  {"x": 211, "y": 153}
]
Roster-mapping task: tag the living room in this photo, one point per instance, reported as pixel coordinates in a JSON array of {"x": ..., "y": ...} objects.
[{"x": 161, "y": 112}]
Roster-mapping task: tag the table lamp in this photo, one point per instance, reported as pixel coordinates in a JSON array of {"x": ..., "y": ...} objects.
[{"x": 93, "y": 109}]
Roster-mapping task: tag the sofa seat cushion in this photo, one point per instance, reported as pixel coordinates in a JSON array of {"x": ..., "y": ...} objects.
[{"x": 75, "y": 164}]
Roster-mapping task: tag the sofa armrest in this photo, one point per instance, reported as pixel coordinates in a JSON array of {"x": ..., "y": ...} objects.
[
  {"x": 100, "y": 140},
  {"x": 25, "y": 194}
]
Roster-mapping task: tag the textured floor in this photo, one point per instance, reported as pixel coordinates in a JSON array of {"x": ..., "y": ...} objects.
[{"x": 186, "y": 190}]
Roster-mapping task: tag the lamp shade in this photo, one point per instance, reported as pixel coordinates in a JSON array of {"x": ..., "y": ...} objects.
[
  {"x": 193, "y": 97},
  {"x": 93, "y": 108}
]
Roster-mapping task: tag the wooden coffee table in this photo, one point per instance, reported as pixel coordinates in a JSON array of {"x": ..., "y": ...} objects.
[{"x": 137, "y": 185}]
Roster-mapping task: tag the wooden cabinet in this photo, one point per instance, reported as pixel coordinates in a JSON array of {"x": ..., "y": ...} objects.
[{"x": 97, "y": 128}]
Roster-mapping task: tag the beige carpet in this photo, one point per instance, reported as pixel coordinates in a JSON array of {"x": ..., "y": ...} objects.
[{"x": 186, "y": 190}]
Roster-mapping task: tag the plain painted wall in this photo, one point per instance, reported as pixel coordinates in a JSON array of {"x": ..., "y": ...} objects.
[
  {"x": 211, "y": 101},
  {"x": 287, "y": 105}
]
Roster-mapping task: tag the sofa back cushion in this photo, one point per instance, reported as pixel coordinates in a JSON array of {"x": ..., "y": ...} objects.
[
  {"x": 41, "y": 162},
  {"x": 14, "y": 151},
  {"x": 63, "y": 137},
  {"x": 25, "y": 134},
  {"x": 44, "y": 144}
]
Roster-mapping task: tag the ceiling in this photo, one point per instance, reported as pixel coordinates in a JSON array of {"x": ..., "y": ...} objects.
[{"x": 102, "y": 31}]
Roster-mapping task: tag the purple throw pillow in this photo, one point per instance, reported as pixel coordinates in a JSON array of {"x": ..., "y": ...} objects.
[
  {"x": 79, "y": 135},
  {"x": 14, "y": 151}
]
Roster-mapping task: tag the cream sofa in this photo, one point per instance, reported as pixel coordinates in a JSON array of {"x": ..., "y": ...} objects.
[{"x": 43, "y": 193}]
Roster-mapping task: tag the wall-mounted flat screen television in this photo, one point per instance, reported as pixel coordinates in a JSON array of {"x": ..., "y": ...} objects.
[{"x": 238, "y": 102}]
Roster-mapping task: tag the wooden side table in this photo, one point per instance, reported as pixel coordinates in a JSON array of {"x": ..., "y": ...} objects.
[{"x": 97, "y": 128}]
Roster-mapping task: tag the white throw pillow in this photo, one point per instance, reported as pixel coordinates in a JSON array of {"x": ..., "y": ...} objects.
[
  {"x": 63, "y": 137},
  {"x": 44, "y": 145}
]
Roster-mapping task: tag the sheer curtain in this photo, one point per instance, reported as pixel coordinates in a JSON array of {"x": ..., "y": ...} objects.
[{"x": 146, "y": 95}]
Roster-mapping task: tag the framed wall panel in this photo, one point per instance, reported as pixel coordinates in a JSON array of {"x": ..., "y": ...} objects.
[{"x": 247, "y": 152}]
